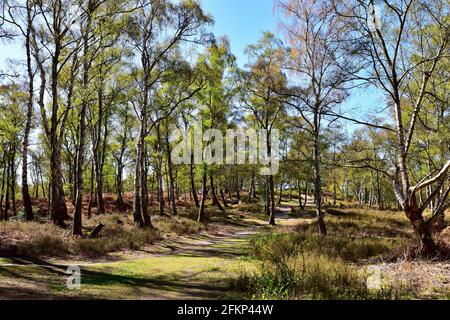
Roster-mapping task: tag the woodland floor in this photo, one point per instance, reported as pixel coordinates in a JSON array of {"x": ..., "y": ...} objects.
[{"x": 184, "y": 267}]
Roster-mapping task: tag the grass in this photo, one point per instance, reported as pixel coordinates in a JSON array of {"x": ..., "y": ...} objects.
[
  {"x": 178, "y": 276},
  {"x": 346, "y": 249},
  {"x": 178, "y": 225},
  {"x": 301, "y": 264},
  {"x": 310, "y": 277},
  {"x": 295, "y": 267},
  {"x": 162, "y": 277},
  {"x": 289, "y": 261},
  {"x": 34, "y": 239}
]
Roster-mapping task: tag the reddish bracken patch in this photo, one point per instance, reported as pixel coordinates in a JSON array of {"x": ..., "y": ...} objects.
[{"x": 110, "y": 200}]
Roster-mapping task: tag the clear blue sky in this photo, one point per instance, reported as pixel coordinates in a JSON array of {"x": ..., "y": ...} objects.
[{"x": 243, "y": 21}]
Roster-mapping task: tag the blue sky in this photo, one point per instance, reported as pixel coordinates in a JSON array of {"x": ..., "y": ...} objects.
[{"x": 243, "y": 21}]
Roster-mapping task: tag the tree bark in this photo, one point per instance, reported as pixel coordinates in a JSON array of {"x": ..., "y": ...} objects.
[
  {"x": 78, "y": 214},
  {"x": 25, "y": 191},
  {"x": 213, "y": 193},
  {"x": 201, "y": 212},
  {"x": 318, "y": 177},
  {"x": 137, "y": 185},
  {"x": 171, "y": 179},
  {"x": 272, "y": 201},
  {"x": 192, "y": 178}
]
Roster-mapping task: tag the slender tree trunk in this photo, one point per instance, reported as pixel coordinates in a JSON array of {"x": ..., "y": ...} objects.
[
  {"x": 192, "y": 178},
  {"x": 8, "y": 185},
  {"x": 119, "y": 187},
  {"x": 171, "y": 179},
  {"x": 159, "y": 174},
  {"x": 379, "y": 195},
  {"x": 97, "y": 154},
  {"x": 318, "y": 177},
  {"x": 144, "y": 190},
  {"x": 137, "y": 184},
  {"x": 290, "y": 190},
  {"x": 4, "y": 178},
  {"x": 334, "y": 190},
  {"x": 58, "y": 203},
  {"x": 271, "y": 184},
  {"x": 13, "y": 181},
  {"x": 272, "y": 201},
  {"x": 78, "y": 214},
  {"x": 213, "y": 193},
  {"x": 280, "y": 198},
  {"x": 253, "y": 187},
  {"x": 267, "y": 202},
  {"x": 300, "y": 200},
  {"x": 238, "y": 187},
  {"x": 305, "y": 200},
  {"x": 42, "y": 182},
  {"x": 224, "y": 200},
  {"x": 25, "y": 191},
  {"x": 91, "y": 193},
  {"x": 201, "y": 212}
]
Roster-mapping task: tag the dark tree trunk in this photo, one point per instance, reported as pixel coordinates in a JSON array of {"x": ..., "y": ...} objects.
[
  {"x": 78, "y": 214},
  {"x": 192, "y": 178},
  {"x": 58, "y": 203},
  {"x": 201, "y": 212},
  {"x": 159, "y": 175},
  {"x": 280, "y": 198},
  {"x": 253, "y": 187},
  {"x": 379, "y": 195},
  {"x": 305, "y": 200},
  {"x": 8, "y": 184},
  {"x": 272, "y": 201},
  {"x": 213, "y": 193},
  {"x": 119, "y": 188},
  {"x": 91, "y": 193},
  {"x": 137, "y": 185},
  {"x": 318, "y": 178},
  {"x": 25, "y": 191},
  {"x": 290, "y": 190},
  {"x": 144, "y": 189},
  {"x": 334, "y": 191},
  {"x": 97, "y": 157},
  {"x": 300, "y": 200},
  {"x": 4, "y": 177},
  {"x": 224, "y": 200},
  {"x": 171, "y": 179},
  {"x": 267, "y": 198},
  {"x": 13, "y": 181}
]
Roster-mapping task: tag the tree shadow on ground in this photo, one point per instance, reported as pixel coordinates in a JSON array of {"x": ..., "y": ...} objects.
[{"x": 46, "y": 277}]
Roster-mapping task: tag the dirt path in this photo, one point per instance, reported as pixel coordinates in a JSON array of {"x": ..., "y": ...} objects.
[{"x": 188, "y": 267}]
